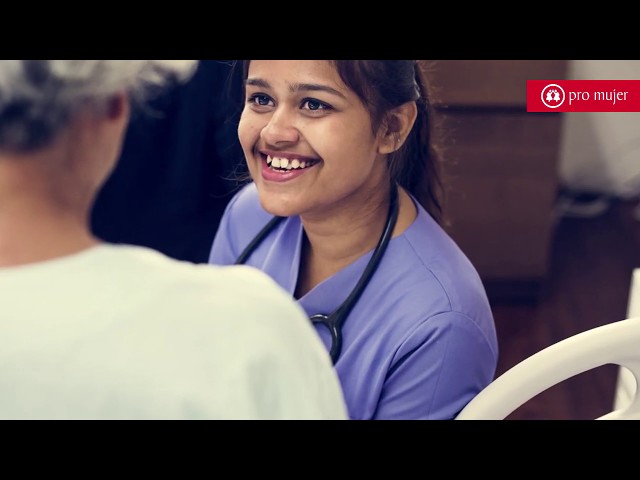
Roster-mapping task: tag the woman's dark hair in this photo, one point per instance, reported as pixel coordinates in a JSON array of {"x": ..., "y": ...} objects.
[{"x": 383, "y": 85}]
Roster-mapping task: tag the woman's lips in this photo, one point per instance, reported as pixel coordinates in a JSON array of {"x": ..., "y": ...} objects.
[{"x": 281, "y": 169}]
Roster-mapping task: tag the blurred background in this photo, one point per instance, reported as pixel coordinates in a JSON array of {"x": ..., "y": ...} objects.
[{"x": 546, "y": 207}]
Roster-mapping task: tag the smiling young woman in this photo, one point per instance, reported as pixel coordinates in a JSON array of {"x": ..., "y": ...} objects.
[{"x": 341, "y": 152}]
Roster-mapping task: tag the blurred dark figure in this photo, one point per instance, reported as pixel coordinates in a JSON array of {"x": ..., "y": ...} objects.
[{"x": 175, "y": 175}]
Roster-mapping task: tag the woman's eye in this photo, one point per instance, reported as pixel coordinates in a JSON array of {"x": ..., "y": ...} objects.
[
  {"x": 314, "y": 105},
  {"x": 261, "y": 100}
]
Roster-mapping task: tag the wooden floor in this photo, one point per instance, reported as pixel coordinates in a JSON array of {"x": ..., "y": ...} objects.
[{"x": 588, "y": 285}]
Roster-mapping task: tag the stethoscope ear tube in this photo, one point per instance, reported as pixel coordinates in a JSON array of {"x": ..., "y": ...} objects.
[
  {"x": 253, "y": 244},
  {"x": 335, "y": 321}
]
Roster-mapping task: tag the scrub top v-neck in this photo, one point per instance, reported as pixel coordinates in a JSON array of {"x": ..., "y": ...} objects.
[{"x": 421, "y": 340}]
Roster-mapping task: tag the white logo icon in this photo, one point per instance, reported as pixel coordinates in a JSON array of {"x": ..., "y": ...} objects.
[{"x": 552, "y": 95}]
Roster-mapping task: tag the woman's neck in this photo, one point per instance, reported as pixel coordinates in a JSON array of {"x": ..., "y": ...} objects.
[{"x": 333, "y": 244}]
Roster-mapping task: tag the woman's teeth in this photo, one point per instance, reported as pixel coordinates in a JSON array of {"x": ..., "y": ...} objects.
[{"x": 286, "y": 164}]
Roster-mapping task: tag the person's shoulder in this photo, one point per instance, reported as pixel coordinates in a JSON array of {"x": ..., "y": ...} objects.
[
  {"x": 240, "y": 292},
  {"x": 245, "y": 290},
  {"x": 226, "y": 283},
  {"x": 136, "y": 257},
  {"x": 440, "y": 252},
  {"x": 242, "y": 301},
  {"x": 446, "y": 268},
  {"x": 145, "y": 260}
]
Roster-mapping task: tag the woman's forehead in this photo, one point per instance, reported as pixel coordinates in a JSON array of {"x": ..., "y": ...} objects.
[{"x": 296, "y": 72}]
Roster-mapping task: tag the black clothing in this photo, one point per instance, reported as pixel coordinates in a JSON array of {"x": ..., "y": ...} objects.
[{"x": 172, "y": 183}]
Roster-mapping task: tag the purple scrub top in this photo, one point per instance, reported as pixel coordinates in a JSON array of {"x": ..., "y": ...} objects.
[{"x": 421, "y": 340}]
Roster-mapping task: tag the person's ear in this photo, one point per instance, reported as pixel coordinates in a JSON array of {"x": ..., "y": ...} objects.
[
  {"x": 118, "y": 107},
  {"x": 398, "y": 124}
]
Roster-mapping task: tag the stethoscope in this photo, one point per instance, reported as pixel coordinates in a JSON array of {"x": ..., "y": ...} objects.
[{"x": 334, "y": 321}]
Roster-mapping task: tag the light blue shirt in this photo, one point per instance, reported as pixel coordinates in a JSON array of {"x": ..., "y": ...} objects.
[{"x": 421, "y": 340}]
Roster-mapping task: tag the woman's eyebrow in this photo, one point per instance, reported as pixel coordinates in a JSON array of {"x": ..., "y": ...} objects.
[
  {"x": 296, "y": 87},
  {"x": 257, "y": 82},
  {"x": 315, "y": 87}
]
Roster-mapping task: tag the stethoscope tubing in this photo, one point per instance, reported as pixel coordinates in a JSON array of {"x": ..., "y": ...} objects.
[{"x": 334, "y": 321}]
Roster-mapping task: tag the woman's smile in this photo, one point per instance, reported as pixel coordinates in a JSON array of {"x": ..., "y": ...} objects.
[{"x": 282, "y": 169}]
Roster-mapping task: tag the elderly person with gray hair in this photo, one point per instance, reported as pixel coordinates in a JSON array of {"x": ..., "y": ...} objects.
[{"x": 91, "y": 330}]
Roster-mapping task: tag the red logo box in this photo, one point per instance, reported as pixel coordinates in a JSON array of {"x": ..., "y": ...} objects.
[{"x": 583, "y": 96}]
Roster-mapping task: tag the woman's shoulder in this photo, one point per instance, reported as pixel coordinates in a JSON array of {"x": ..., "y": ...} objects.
[
  {"x": 245, "y": 204},
  {"x": 434, "y": 245},
  {"x": 243, "y": 218},
  {"x": 245, "y": 200},
  {"x": 445, "y": 266}
]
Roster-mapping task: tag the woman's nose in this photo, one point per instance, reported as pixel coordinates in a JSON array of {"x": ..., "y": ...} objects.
[{"x": 280, "y": 129}]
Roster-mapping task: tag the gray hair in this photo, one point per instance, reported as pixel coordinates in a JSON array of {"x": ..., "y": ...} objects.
[{"x": 38, "y": 97}]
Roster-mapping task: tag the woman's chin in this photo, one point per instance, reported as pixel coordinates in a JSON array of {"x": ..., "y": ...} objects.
[{"x": 276, "y": 206}]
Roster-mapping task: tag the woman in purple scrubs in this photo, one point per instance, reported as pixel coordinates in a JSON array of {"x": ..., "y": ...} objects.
[{"x": 342, "y": 151}]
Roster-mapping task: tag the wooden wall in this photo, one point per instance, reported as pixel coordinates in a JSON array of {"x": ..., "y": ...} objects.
[{"x": 501, "y": 167}]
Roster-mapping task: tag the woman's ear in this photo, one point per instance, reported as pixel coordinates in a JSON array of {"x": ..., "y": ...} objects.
[{"x": 398, "y": 124}]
